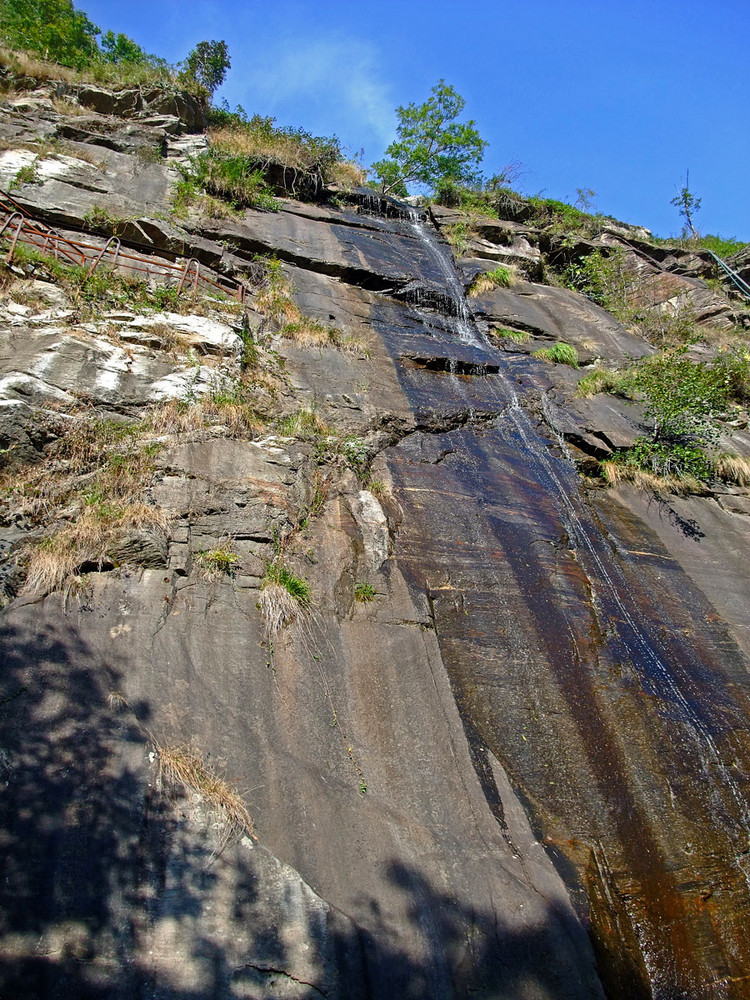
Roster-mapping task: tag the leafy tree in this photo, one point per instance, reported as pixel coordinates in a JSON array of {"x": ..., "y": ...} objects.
[
  {"x": 206, "y": 65},
  {"x": 432, "y": 145},
  {"x": 121, "y": 49},
  {"x": 687, "y": 205},
  {"x": 52, "y": 28}
]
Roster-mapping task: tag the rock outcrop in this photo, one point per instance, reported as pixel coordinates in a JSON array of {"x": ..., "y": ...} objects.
[{"x": 501, "y": 751}]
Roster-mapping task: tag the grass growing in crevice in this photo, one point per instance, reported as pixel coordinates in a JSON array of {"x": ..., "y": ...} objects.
[
  {"x": 460, "y": 234},
  {"x": 501, "y": 277},
  {"x": 364, "y": 593},
  {"x": 605, "y": 380},
  {"x": 310, "y": 333},
  {"x": 558, "y": 354},
  {"x": 218, "y": 562},
  {"x": 284, "y": 596},
  {"x": 517, "y": 336},
  {"x": 183, "y": 766},
  {"x": 233, "y": 411},
  {"x": 305, "y": 425},
  {"x": 275, "y": 302},
  {"x": 85, "y": 543},
  {"x": 615, "y": 472}
]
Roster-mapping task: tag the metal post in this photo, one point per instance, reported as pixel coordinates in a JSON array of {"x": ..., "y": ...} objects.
[{"x": 112, "y": 240}]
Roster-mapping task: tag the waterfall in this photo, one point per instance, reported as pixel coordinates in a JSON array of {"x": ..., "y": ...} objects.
[{"x": 646, "y": 658}]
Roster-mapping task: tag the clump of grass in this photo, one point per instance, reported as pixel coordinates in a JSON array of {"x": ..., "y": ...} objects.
[
  {"x": 184, "y": 766},
  {"x": 379, "y": 488},
  {"x": 310, "y": 333},
  {"x": 26, "y": 175},
  {"x": 364, "y": 592},
  {"x": 101, "y": 220},
  {"x": 304, "y": 424},
  {"x": 558, "y": 354},
  {"x": 347, "y": 175},
  {"x": 284, "y": 596},
  {"x": 459, "y": 235},
  {"x": 275, "y": 302},
  {"x": 239, "y": 416},
  {"x": 501, "y": 277},
  {"x": 218, "y": 562},
  {"x": 308, "y": 162},
  {"x": 604, "y": 380}
]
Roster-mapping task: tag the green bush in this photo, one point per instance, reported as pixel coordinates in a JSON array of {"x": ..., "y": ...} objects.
[
  {"x": 667, "y": 459},
  {"x": 683, "y": 398},
  {"x": 236, "y": 179}
]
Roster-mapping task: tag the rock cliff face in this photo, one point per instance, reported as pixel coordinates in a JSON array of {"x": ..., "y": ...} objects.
[{"x": 503, "y": 752}]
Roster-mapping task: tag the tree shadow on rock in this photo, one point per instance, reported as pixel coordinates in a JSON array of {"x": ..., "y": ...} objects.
[{"x": 70, "y": 813}]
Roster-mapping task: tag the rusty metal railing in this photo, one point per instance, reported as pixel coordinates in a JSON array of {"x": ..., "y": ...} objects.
[{"x": 17, "y": 225}]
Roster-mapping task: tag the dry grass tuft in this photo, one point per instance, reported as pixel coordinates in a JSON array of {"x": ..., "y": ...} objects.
[
  {"x": 268, "y": 144},
  {"x": 617, "y": 472},
  {"x": 483, "y": 284},
  {"x": 733, "y": 469},
  {"x": 348, "y": 175},
  {"x": 24, "y": 64},
  {"x": 67, "y": 107},
  {"x": 55, "y": 561},
  {"x": 117, "y": 702},
  {"x": 183, "y": 765},
  {"x": 178, "y": 417},
  {"x": 278, "y": 607},
  {"x": 310, "y": 333}
]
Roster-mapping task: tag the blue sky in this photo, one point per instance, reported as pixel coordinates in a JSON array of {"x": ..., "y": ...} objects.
[{"x": 619, "y": 96}]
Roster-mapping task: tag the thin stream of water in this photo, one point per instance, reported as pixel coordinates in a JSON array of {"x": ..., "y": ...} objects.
[{"x": 638, "y": 645}]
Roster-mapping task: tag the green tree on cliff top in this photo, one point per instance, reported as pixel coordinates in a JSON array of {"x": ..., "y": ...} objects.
[{"x": 432, "y": 145}]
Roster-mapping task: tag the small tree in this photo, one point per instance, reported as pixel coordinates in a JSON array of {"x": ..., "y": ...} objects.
[
  {"x": 206, "y": 66},
  {"x": 431, "y": 145},
  {"x": 687, "y": 205}
]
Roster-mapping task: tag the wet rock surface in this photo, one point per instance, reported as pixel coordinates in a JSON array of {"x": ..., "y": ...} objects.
[{"x": 503, "y": 754}]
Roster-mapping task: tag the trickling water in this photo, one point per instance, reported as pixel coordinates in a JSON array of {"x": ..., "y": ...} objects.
[{"x": 465, "y": 326}]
